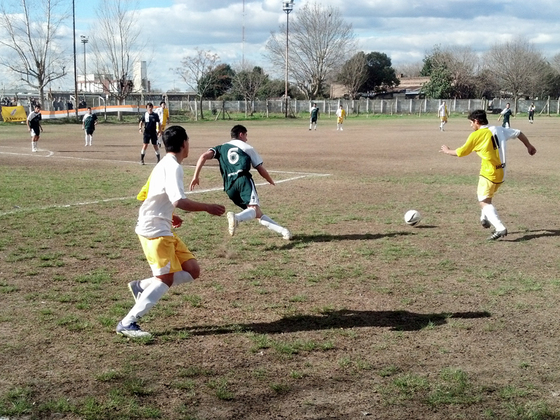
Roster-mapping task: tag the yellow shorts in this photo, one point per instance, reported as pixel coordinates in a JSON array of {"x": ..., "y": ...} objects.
[
  {"x": 443, "y": 119},
  {"x": 486, "y": 189},
  {"x": 165, "y": 254}
]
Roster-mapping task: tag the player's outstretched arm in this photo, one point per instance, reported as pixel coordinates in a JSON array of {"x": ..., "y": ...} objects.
[
  {"x": 191, "y": 205},
  {"x": 530, "y": 148},
  {"x": 446, "y": 150},
  {"x": 264, "y": 173},
  {"x": 199, "y": 164}
]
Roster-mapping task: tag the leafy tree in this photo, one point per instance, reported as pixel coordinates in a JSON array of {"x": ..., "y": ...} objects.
[
  {"x": 275, "y": 89},
  {"x": 219, "y": 81},
  {"x": 31, "y": 39},
  {"x": 440, "y": 84},
  {"x": 460, "y": 64},
  {"x": 319, "y": 41},
  {"x": 248, "y": 82},
  {"x": 354, "y": 73},
  {"x": 380, "y": 74}
]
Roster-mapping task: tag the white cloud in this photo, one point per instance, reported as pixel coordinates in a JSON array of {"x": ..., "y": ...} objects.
[{"x": 403, "y": 29}]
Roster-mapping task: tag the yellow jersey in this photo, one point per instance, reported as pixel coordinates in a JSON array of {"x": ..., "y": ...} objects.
[{"x": 487, "y": 146}]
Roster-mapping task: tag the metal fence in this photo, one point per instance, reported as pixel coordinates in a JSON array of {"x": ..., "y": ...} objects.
[{"x": 395, "y": 106}]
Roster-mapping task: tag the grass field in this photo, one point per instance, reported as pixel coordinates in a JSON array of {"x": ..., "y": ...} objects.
[{"x": 359, "y": 316}]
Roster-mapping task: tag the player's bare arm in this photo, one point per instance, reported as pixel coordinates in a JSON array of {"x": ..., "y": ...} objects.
[
  {"x": 446, "y": 150},
  {"x": 530, "y": 148},
  {"x": 199, "y": 164},
  {"x": 190, "y": 205},
  {"x": 264, "y": 173}
]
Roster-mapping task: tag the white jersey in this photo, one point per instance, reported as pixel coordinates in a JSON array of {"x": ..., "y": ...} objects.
[
  {"x": 442, "y": 110},
  {"x": 165, "y": 188},
  {"x": 501, "y": 136}
]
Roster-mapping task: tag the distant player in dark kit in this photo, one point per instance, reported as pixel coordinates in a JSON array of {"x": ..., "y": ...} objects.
[
  {"x": 506, "y": 114},
  {"x": 150, "y": 121},
  {"x": 34, "y": 126},
  {"x": 236, "y": 158},
  {"x": 88, "y": 124},
  {"x": 313, "y": 115}
]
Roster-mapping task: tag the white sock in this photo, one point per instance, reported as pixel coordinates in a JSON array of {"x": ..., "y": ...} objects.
[
  {"x": 146, "y": 282},
  {"x": 482, "y": 216},
  {"x": 149, "y": 297},
  {"x": 181, "y": 277},
  {"x": 271, "y": 224},
  {"x": 247, "y": 214},
  {"x": 492, "y": 216}
]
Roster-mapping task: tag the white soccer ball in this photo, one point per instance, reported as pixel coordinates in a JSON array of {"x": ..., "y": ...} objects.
[{"x": 412, "y": 217}]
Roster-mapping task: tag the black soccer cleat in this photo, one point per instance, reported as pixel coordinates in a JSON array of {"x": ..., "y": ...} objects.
[{"x": 497, "y": 235}]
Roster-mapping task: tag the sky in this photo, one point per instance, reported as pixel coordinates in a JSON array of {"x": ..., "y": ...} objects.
[{"x": 405, "y": 30}]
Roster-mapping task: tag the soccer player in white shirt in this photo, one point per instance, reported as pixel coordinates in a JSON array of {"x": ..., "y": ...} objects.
[{"x": 170, "y": 260}]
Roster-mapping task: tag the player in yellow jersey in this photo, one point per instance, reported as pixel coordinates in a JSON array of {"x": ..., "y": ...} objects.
[
  {"x": 340, "y": 115},
  {"x": 443, "y": 113},
  {"x": 489, "y": 142},
  {"x": 163, "y": 113}
]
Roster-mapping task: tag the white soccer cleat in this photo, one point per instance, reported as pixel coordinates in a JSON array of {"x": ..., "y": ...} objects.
[
  {"x": 232, "y": 222},
  {"x": 286, "y": 234},
  {"x": 132, "y": 331}
]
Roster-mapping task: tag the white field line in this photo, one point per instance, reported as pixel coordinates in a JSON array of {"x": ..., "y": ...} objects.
[{"x": 297, "y": 175}]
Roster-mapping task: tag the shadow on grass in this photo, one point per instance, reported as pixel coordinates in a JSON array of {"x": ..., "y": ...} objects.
[
  {"x": 396, "y": 320},
  {"x": 534, "y": 234},
  {"x": 305, "y": 239}
]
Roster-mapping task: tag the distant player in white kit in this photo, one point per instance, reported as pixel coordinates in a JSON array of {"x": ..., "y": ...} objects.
[{"x": 443, "y": 114}]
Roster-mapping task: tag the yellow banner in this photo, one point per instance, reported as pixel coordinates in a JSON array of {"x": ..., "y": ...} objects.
[{"x": 13, "y": 113}]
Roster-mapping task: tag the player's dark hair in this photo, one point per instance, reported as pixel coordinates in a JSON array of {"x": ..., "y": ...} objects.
[
  {"x": 173, "y": 138},
  {"x": 149, "y": 104},
  {"x": 162, "y": 102},
  {"x": 237, "y": 130},
  {"x": 478, "y": 115}
]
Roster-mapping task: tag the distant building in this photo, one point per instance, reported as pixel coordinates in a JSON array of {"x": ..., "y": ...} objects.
[{"x": 140, "y": 77}]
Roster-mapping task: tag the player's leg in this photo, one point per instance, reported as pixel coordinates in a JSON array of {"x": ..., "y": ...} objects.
[
  {"x": 160, "y": 252},
  {"x": 240, "y": 193},
  {"x": 145, "y": 142},
  {"x": 33, "y": 141},
  {"x": 154, "y": 140},
  {"x": 485, "y": 192}
]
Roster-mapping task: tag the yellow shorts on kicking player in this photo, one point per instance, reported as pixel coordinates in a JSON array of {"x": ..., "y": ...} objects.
[
  {"x": 486, "y": 189},
  {"x": 165, "y": 254}
]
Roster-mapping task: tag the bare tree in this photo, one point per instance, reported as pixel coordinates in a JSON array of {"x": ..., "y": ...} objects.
[
  {"x": 247, "y": 82},
  {"x": 354, "y": 73},
  {"x": 30, "y": 36},
  {"x": 319, "y": 41},
  {"x": 116, "y": 46},
  {"x": 198, "y": 72},
  {"x": 517, "y": 66}
]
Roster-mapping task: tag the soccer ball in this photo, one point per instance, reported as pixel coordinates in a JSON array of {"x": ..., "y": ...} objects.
[{"x": 412, "y": 217}]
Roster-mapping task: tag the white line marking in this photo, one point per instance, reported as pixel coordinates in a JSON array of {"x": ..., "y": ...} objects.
[{"x": 298, "y": 175}]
